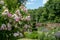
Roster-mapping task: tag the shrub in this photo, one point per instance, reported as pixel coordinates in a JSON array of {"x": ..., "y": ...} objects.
[
  {"x": 32, "y": 35},
  {"x": 12, "y": 21}
]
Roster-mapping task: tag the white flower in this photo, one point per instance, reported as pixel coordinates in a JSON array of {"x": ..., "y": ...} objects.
[
  {"x": 3, "y": 27},
  {"x": 24, "y": 9},
  {"x": 5, "y": 12},
  {"x": 9, "y": 14},
  {"x": 4, "y": 7},
  {"x": 16, "y": 34},
  {"x": 2, "y": 2},
  {"x": 28, "y": 18},
  {"x": 21, "y": 7},
  {"x": 16, "y": 17},
  {"x": 18, "y": 12},
  {"x": 26, "y": 26},
  {"x": 22, "y": 18},
  {"x": 21, "y": 35},
  {"x": 9, "y": 26}
]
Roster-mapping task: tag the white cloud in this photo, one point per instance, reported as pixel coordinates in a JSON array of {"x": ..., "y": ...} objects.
[
  {"x": 29, "y": 3},
  {"x": 33, "y": 0},
  {"x": 44, "y": 1}
]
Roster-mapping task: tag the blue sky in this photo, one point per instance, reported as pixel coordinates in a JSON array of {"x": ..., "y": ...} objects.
[{"x": 34, "y": 4}]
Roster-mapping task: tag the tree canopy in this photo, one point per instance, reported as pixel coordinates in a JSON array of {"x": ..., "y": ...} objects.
[{"x": 49, "y": 13}]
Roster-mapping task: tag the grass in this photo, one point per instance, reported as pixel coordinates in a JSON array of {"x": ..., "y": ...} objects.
[{"x": 27, "y": 39}]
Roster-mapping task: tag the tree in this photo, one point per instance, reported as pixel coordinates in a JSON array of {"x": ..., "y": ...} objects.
[
  {"x": 53, "y": 6},
  {"x": 50, "y": 12}
]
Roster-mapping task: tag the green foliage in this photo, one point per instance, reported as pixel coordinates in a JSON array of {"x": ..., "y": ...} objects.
[
  {"x": 13, "y": 19},
  {"x": 50, "y": 35},
  {"x": 53, "y": 8},
  {"x": 32, "y": 35},
  {"x": 12, "y": 5},
  {"x": 49, "y": 13}
]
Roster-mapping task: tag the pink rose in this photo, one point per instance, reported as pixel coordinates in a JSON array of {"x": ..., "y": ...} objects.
[
  {"x": 3, "y": 27},
  {"x": 17, "y": 19},
  {"x": 28, "y": 18},
  {"x": 25, "y": 10},
  {"x": 16, "y": 34},
  {"x": 9, "y": 14}
]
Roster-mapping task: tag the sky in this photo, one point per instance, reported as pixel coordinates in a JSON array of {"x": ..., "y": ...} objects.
[{"x": 34, "y": 4}]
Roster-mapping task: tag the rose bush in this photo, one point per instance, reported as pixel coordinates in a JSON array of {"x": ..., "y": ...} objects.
[{"x": 12, "y": 24}]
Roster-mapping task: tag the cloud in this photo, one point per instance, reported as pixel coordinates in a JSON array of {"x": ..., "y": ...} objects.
[
  {"x": 33, "y": 0},
  {"x": 29, "y": 3},
  {"x": 44, "y": 1}
]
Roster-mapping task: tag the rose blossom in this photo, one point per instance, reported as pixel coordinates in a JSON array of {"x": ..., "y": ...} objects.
[
  {"x": 28, "y": 18},
  {"x": 16, "y": 34},
  {"x": 18, "y": 12},
  {"x": 2, "y": 2},
  {"x": 3, "y": 27},
  {"x": 17, "y": 19},
  {"x": 24, "y": 9},
  {"x": 5, "y": 12},
  {"x": 26, "y": 26},
  {"x": 9, "y": 26},
  {"x": 21, "y": 6},
  {"x": 9, "y": 14},
  {"x": 15, "y": 16}
]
